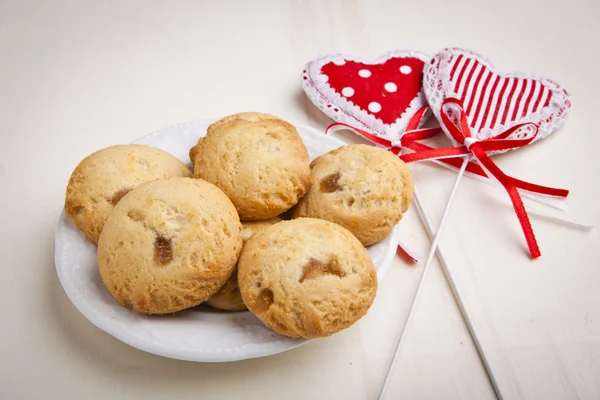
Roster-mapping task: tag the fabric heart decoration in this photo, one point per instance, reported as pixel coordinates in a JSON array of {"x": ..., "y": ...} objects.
[
  {"x": 493, "y": 102},
  {"x": 484, "y": 112},
  {"x": 379, "y": 96}
]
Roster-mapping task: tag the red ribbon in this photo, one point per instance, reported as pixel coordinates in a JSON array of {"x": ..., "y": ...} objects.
[
  {"x": 469, "y": 146},
  {"x": 479, "y": 149},
  {"x": 410, "y": 140}
]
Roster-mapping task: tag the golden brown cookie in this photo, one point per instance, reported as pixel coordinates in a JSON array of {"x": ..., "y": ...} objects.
[
  {"x": 229, "y": 298},
  {"x": 258, "y": 160},
  {"x": 363, "y": 188},
  {"x": 194, "y": 151},
  {"x": 102, "y": 178},
  {"x": 306, "y": 278},
  {"x": 168, "y": 245}
]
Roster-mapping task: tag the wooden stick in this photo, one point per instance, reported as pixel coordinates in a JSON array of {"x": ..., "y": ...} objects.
[
  {"x": 459, "y": 299},
  {"x": 426, "y": 268}
]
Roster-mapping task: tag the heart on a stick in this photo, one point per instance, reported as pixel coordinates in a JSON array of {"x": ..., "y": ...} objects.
[
  {"x": 493, "y": 102},
  {"x": 379, "y": 96}
]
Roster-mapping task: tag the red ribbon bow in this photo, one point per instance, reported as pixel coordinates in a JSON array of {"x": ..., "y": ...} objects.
[
  {"x": 479, "y": 148},
  {"x": 412, "y": 134},
  {"x": 469, "y": 146}
]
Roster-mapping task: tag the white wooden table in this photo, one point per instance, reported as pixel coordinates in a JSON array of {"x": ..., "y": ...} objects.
[{"x": 79, "y": 76}]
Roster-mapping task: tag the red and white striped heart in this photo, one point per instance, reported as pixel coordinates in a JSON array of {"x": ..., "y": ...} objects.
[
  {"x": 379, "y": 96},
  {"x": 493, "y": 102}
]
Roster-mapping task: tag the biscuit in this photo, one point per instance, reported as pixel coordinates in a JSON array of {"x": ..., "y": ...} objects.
[
  {"x": 194, "y": 151},
  {"x": 363, "y": 188},
  {"x": 169, "y": 245},
  {"x": 102, "y": 178},
  {"x": 306, "y": 278},
  {"x": 258, "y": 160},
  {"x": 229, "y": 298}
]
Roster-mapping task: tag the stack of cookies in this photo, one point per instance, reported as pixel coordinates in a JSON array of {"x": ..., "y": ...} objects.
[{"x": 170, "y": 239}]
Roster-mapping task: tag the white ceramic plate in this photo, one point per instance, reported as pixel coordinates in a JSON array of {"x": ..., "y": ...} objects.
[{"x": 198, "y": 334}]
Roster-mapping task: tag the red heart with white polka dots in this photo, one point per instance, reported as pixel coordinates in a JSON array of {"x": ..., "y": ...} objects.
[
  {"x": 378, "y": 96},
  {"x": 494, "y": 102}
]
